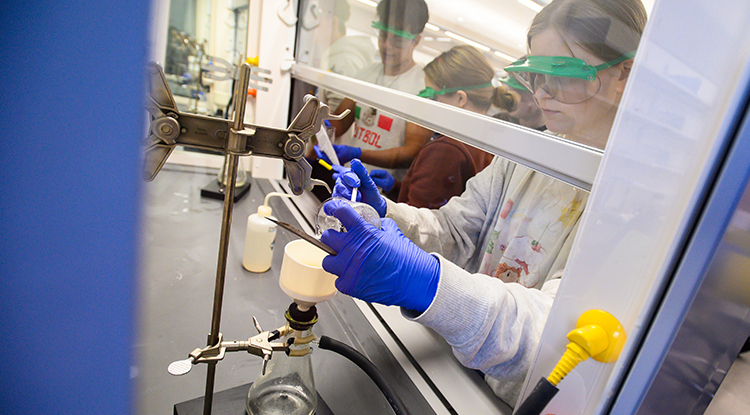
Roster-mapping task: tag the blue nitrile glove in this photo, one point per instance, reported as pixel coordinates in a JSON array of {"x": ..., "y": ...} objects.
[
  {"x": 368, "y": 190},
  {"x": 345, "y": 182},
  {"x": 347, "y": 153},
  {"x": 338, "y": 170},
  {"x": 321, "y": 155},
  {"x": 380, "y": 266},
  {"x": 383, "y": 179}
]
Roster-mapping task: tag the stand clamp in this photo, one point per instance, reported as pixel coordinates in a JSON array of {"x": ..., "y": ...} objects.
[{"x": 168, "y": 128}]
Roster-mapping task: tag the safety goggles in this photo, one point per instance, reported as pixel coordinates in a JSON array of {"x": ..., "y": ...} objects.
[
  {"x": 397, "y": 38},
  {"x": 511, "y": 82},
  {"x": 431, "y": 93},
  {"x": 566, "y": 79}
]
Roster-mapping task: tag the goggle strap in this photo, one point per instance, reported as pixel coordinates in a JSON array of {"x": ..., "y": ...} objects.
[
  {"x": 400, "y": 33},
  {"x": 609, "y": 64},
  {"x": 429, "y": 92}
]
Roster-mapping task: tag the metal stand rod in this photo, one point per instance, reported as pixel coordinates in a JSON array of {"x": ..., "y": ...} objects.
[
  {"x": 226, "y": 225},
  {"x": 233, "y": 144}
]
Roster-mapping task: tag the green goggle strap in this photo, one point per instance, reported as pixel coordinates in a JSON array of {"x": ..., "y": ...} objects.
[
  {"x": 622, "y": 58},
  {"x": 429, "y": 92},
  {"x": 400, "y": 33}
]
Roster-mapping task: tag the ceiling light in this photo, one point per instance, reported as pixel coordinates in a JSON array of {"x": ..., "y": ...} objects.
[
  {"x": 443, "y": 39},
  {"x": 467, "y": 41},
  {"x": 504, "y": 56},
  {"x": 431, "y": 27},
  {"x": 528, "y": 3},
  {"x": 369, "y": 3}
]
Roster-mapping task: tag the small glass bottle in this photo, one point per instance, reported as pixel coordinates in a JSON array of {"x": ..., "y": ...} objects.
[{"x": 287, "y": 387}]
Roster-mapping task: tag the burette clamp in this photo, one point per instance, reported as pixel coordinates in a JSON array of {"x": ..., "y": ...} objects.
[{"x": 263, "y": 345}]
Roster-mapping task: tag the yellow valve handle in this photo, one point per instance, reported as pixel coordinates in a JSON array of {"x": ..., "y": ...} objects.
[{"x": 598, "y": 335}]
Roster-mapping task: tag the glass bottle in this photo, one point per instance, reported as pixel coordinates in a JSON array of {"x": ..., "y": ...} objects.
[
  {"x": 241, "y": 173},
  {"x": 287, "y": 387}
]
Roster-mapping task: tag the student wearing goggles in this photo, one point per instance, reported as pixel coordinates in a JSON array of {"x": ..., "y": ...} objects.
[
  {"x": 378, "y": 137},
  {"x": 578, "y": 87}
]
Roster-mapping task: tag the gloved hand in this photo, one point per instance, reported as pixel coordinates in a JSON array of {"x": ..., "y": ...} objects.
[
  {"x": 344, "y": 153},
  {"x": 383, "y": 179},
  {"x": 368, "y": 191},
  {"x": 347, "y": 153},
  {"x": 381, "y": 266},
  {"x": 339, "y": 170}
]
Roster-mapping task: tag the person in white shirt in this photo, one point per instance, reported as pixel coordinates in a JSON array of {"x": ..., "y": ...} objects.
[{"x": 379, "y": 138}]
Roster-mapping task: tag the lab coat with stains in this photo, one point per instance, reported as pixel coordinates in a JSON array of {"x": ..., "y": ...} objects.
[{"x": 502, "y": 246}]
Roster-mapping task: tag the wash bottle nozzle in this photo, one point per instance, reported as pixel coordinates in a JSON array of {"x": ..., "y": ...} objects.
[{"x": 265, "y": 210}]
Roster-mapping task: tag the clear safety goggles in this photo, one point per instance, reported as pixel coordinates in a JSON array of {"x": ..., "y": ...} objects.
[
  {"x": 397, "y": 38},
  {"x": 566, "y": 79},
  {"x": 431, "y": 93}
]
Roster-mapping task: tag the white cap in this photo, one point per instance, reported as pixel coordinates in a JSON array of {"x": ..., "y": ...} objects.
[{"x": 264, "y": 211}]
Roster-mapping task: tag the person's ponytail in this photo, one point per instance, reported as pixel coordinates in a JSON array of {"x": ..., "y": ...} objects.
[{"x": 505, "y": 99}]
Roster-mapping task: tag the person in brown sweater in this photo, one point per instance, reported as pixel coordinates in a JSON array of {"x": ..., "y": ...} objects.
[{"x": 461, "y": 77}]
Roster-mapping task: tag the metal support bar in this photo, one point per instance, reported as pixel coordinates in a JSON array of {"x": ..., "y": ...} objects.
[{"x": 226, "y": 225}]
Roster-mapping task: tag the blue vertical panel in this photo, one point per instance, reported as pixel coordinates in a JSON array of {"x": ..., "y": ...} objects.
[{"x": 72, "y": 115}]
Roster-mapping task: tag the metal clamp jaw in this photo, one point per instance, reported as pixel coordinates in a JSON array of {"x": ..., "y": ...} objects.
[
  {"x": 169, "y": 128},
  {"x": 262, "y": 345}
]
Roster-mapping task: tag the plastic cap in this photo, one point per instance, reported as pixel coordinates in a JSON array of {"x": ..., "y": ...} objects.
[{"x": 264, "y": 211}]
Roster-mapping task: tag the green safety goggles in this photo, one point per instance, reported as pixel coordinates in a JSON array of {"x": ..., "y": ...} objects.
[
  {"x": 511, "y": 82},
  {"x": 402, "y": 36},
  {"x": 566, "y": 79},
  {"x": 430, "y": 92}
]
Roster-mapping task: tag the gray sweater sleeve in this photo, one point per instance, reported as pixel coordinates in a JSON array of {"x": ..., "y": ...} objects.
[
  {"x": 491, "y": 325},
  {"x": 458, "y": 230}
]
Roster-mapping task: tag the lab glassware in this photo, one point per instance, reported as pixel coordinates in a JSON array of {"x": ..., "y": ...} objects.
[{"x": 324, "y": 221}]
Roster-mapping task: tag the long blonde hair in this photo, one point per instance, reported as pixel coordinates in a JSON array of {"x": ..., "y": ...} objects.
[{"x": 465, "y": 66}]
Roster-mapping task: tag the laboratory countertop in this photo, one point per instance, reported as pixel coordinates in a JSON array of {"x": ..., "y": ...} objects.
[{"x": 180, "y": 240}]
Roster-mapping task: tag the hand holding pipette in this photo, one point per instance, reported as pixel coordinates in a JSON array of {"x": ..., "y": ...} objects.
[{"x": 358, "y": 177}]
